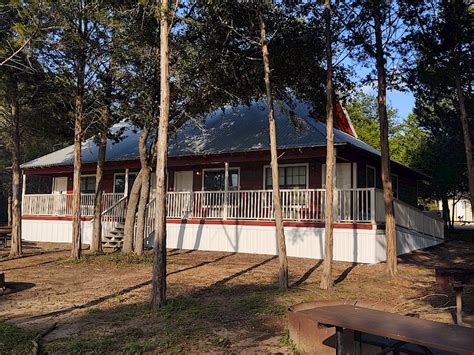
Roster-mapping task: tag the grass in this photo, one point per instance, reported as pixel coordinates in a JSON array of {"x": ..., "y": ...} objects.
[
  {"x": 177, "y": 327},
  {"x": 259, "y": 303},
  {"x": 228, "y": 305},
  {"x": 15, "y": 340},
  {"x": 285, "y": 340}
]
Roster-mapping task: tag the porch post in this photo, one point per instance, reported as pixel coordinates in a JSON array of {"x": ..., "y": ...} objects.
[
  {"x": 335, "y": 205},
  {"x": 226, "y": 189},
  {"x": 23, "y": 187},
  {"x": 373, "y": 207},
  {"x": 126, "y": 183}
]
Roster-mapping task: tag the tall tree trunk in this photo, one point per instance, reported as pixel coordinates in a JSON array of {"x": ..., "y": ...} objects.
[
  {"x": 16, "y": 247},
  {"x": 446, "y": 218},
  {"x": 390, "y": 231},
  {"x": 158, "y": 291},
  {"x": 144, "y": 193},
  {"x": 96, "y": 245},
  {"x": 283, "y": 270},
  {"x": 467, "y": 136},
  {"x": 129, "y": 226},
  {"x": 78, "y": 133},
  {"x": 453, "y": 210},
  {"x": 326, "y": 278}
]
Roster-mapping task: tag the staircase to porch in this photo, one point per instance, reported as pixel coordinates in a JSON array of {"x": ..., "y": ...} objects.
[
  {"x": 113, "y": 220},
  {"x": 113, "y": 238}
]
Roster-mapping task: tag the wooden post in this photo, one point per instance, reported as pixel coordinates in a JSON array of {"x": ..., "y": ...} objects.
[
  {"x": 9, "y": 211},
  {"x": 458, "y": 291},
  {"x": 126, "y": 183},
  {"x": 339, "y": 341},
  {"x": 226, "y": 189},
  {"x": 373, "y": 211},
  {"x": 23, "y": 187},
  {"x": 357, "y": 343}
]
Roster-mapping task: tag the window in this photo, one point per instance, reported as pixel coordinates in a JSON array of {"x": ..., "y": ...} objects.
[
  {"x": 214, "y": 180},
  {"x": 119, "y": 182},
  {"x": 395, "y": 185},
  {"x": 370, "y": 176},
  {"x": 38, "y": 184},
  {"x": 291, "y": 177},
  {"x": 88, "y": 184}
]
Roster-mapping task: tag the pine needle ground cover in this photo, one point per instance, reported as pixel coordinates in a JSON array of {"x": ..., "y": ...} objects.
[{"x": 218, "y": 302}]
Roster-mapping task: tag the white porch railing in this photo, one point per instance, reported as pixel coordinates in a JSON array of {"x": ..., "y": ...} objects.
[
  {"x": 61, "y": 204},
  {"x": 364, "y": 205},
  {"x": 114, "y": 215},
  {"x": 351, "y": 205},
  {"x": 409, "y": 217}
]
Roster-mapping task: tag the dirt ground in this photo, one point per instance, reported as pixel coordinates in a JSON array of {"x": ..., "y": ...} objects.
[{"x": 218, "y": 302}]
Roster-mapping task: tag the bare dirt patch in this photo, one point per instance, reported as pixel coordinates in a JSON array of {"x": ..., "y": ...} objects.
[{"x": 218, "y": 302}]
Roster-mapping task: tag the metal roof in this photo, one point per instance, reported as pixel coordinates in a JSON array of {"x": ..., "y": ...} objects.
[{"x": 241, "y": 128}]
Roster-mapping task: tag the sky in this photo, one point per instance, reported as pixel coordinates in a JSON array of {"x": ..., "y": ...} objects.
[{"x": 402, "y": 101}]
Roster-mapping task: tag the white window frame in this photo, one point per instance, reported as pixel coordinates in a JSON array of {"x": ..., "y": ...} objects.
[
  {"x": 129, "y": 173},
  {"x": 284, "y": 166},
  {"x": 367, "y": 167},
  {"x": 220, "y": 169},
  {"x": 353, "y": 174}
]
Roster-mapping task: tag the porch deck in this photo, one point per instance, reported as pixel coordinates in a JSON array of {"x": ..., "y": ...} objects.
[{"x": 351, "y": 206}]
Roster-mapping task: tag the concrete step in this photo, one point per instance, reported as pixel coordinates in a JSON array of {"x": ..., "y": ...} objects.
[
  {"x": 112, "y": 245},
  {"x": 117, "y": 240}
]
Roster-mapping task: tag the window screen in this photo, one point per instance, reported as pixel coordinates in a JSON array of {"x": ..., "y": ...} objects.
[
  {"x": 395, "y": 185},
  {"x": 87, "y": 184},
  {"x": 214, "y": 180},
  {"x": 291, "y": 177},
  {"x": 370, "y": 176},
  {"x": 119, "y": 182}
]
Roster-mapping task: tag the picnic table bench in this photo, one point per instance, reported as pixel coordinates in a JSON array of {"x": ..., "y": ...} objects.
[
  {"x": 456, "y": 278},
  {"x": 403, "y": 329},
  {"x": 5, "y": 235}
]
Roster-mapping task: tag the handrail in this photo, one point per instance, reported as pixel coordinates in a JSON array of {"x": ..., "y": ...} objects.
[
  {"x": 150, "y": 202},
  {"x": 114, "y": 205}
]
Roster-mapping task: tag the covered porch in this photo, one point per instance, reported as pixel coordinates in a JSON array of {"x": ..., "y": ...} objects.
[{"x": 351, "y": 206}]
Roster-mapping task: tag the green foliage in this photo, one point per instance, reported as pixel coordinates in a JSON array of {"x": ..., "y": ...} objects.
[
  {"x": 258, "y": 303},
  {"x": 405, "y": 138},
  {"x": 437, "y": 50},
  {"x": 14, "y": 340},
  {"x": 286, "y": 341},
  {"x": 217, "y": 57}
]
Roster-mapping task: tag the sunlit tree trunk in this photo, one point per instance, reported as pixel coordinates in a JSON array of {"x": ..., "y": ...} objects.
[
  {"x": 13, "y": 101},
  {"x": 466, "y": 135},
  {"x": 144, "y": 193},
  {"x": 96, "y": 245},
  {"x": 283, "y": 270},
  {"x": 390, "y": 231},
  {"x": 80, "y": 68},
  {"x": 158, "y": 292},
  {"x": 326, "y": 278},
  {"x": 129, "y": 227}
]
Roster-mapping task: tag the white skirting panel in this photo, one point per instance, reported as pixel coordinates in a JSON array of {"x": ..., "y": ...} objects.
[
  {"x": 349, "y": 244},
  {"x": 352, "y": 245},
  {"x": 54, "y": 231},
  {"x": 407, "y": 241}
]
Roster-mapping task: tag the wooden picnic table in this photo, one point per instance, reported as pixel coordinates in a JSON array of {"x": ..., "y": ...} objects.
[
  {"x": 456, "y": 278},
  {"x": 406, "y": 330},
  {"x": 5, "y": 234}
]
